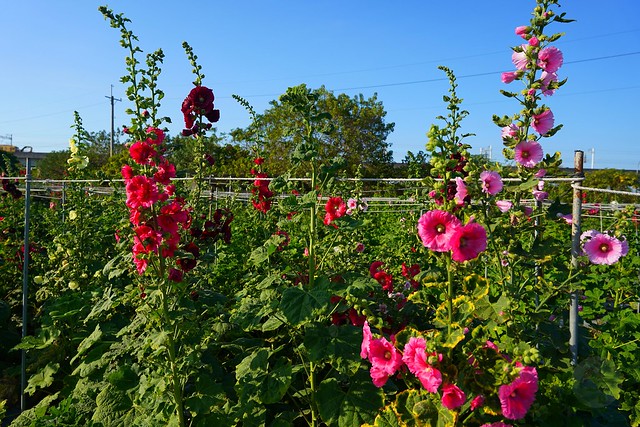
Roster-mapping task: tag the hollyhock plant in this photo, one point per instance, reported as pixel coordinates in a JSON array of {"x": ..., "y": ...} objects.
[
  {"x": 517, "y": 397},
  {"x": 491, "y": 182},
  {"x": 528, "y": 153},
  {"x": 468, "y": 241},
  {"x": 435, "y": 228}
]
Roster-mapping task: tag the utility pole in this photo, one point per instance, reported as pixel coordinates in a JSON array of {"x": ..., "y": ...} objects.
[
  {"x": 113, "y": 100},
  {"x": 593, "y": 156}
]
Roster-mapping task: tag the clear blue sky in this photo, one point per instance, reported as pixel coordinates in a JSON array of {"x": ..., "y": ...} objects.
[{"x": 60, "y": 56}]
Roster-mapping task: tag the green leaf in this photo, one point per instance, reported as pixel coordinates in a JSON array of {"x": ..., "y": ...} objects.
[
  {"x": 349, "y": 405},
  {"x": 338, "y": 345},
  {"x": 277, "y": 382},
  {"x": 298, "y": 304},
  {"x": 44, "y": 378},
  {"x": 124, "y": 378},
  {"x": 88, "y": 342}
]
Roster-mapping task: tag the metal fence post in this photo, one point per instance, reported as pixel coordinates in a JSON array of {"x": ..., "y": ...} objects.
[
  {"x": 578, "y": 161},
  {"x": 25, "y": 281}
]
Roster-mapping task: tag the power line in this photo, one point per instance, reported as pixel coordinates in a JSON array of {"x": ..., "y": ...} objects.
[{"x": 113, "y": 100}]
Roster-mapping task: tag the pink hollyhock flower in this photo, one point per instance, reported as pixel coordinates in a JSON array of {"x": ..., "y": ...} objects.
[
  {"x": 504, "y": 205},
  {"x": 516, "y": 398},
  {"x": 510, "y": 131},
  {"x": 410, "y": 351},
  {"x": 543, "y": 122},
  {"x": 461, "y": 191},
  {"x": 567, "y": 217},
  {"x": 550, "y": 59},
  {"x": 366, "y": 339},
  {"x": 522, "y": 31},
  {"x": 520, "y": 59},
  {"x": 452, "y": 396},
  {"x": 384, "y": 356},
  {"x": 477, "y": 402},
  {"x": 360, "y": 247},
  {"x": 533, "y": 41},
  {"x": 508, "y": 76},
  {"x": 430, "y": 378},
  {"x": 625, "y": 247},
  {"x": 538, "y": 192},
  {"x": 528, "y": 153},
  {"x": 603, "y": 249},
  {"x": 491, "y": 182},
  {"x": 541, "y": 173},
  {"x": 528, "y": 210},
  {"x": 435, "y": 228},
  {"x": 352, "y": 204},
  {"x": 545, "y": 80},
  {"x": 467, "y": 242},
  {"x": 378, "y": 375}
]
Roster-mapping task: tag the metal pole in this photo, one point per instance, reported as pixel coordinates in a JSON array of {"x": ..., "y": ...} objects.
[
  {"x": 25, "y": 282},
  {"x": 578, "y": 161}
]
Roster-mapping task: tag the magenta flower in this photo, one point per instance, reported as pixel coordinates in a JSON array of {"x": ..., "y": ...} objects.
[
  {"x": 384, "y": 356},
  {"x": 550, "y": 59},
  {"x": 411, "y": 349},
  {"x": 541, "y": 173},
  {"x": 430, "y": 378},
  {"x": 491, "y": 182},
  {"x": 522, "y": 31},
  {"x": 520, "y": 59},
  {"x": 477, "y": 402},
  {"x": 603, "y": 249},
  {"x": 496, "y": 424},
  {"x": 543, "y": 122},
  {"x": 366, "y": 339},
  {"x": 528, "y": 153},
  {"x": 510, "y": 131},
  {"x": 435, "y": 228},
  {"x": 504, "y": 205},
  {"x": 545, "y": 80},
  {"x": 516, "y": 398},
  {"x": 452, "y": 396},
  {"x": 461, "y": 191},
  {"x": 467, "y": 242},
  {"x": 508, "y": 76}
]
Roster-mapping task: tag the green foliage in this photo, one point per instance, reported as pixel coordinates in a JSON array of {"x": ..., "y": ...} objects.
[{"x": 351, "y": 128}]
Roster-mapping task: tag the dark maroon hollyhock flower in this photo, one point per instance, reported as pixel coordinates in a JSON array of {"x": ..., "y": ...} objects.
[
  {"x": 176, "y": 275},
  {"x": 209, "y": 158},
  {"x": 213, "y": 116},
  {"x": 188, "y": 264}
]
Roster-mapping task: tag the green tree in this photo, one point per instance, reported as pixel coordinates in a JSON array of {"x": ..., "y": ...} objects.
[
  {"x": 226, "y": 159},
  {"x": 356, "y": 132}
]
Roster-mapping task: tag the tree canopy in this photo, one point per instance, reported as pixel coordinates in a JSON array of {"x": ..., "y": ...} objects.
[{"x": 354, "y": 129}]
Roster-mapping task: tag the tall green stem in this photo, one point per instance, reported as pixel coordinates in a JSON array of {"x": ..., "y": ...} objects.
[{"x": 169, "y": 326}]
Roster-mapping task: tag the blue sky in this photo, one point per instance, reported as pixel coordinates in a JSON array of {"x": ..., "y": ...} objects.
[{"x": 63, "y": 56}]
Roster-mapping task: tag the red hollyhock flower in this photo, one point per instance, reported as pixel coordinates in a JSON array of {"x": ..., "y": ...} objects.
[
  {"x": 142, "y": 152},
  {"x": 141, "y": 192},
  {"x": 335, "y": 208}
]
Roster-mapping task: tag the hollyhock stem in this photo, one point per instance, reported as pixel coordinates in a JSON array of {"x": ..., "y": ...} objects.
[{"x": 171, "y": 346}]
